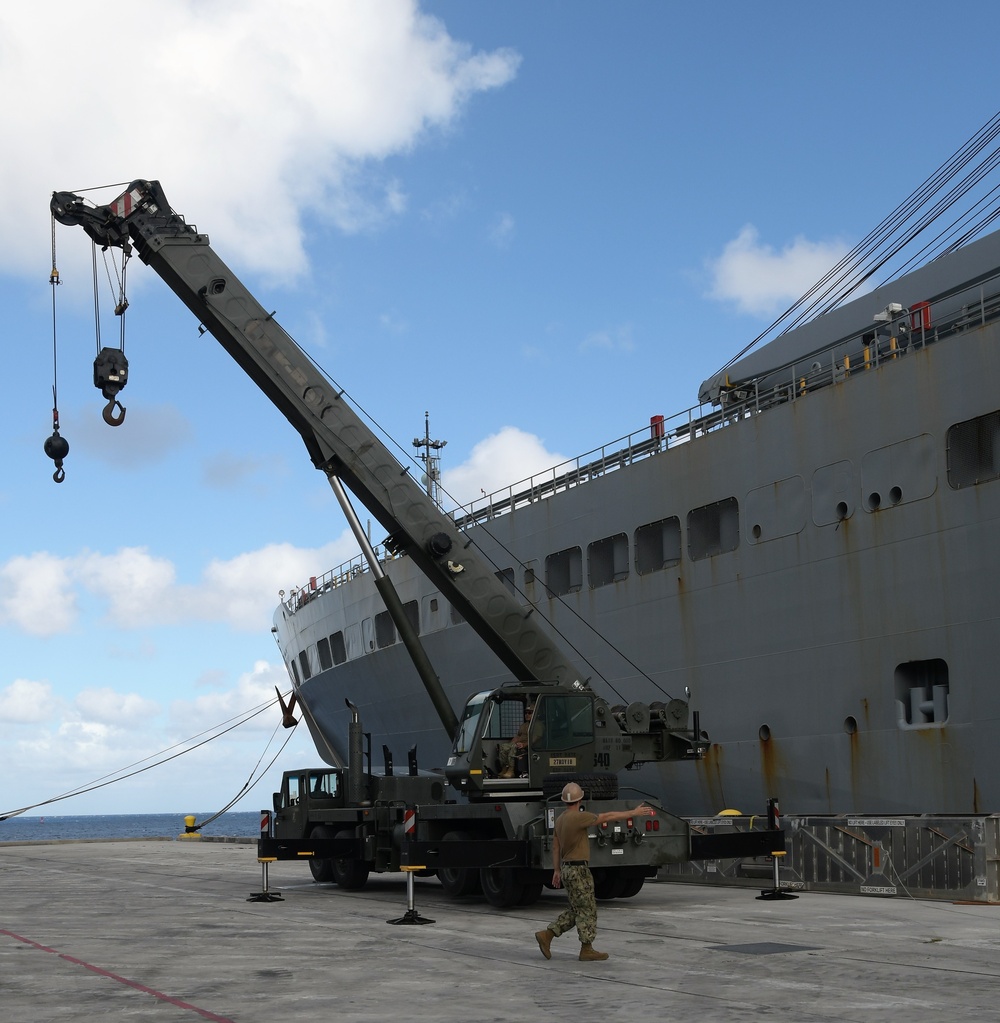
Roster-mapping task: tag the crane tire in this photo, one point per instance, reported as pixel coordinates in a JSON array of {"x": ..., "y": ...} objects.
[
  {"x": 321, "y": 869},
  {"x": 458, "y": 881}
]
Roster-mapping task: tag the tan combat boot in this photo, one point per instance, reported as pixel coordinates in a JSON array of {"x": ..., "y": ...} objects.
[
  {"x": 544, "y": 939},
  {"x": 589, "y": 954}
]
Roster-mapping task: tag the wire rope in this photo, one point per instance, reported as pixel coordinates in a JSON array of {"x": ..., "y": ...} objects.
[{"x": 158, "y": 759}]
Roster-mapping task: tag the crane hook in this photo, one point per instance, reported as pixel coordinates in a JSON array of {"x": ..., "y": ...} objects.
[
  {"x": 57, "y": 448},
  {"x": 109, "y": 413}
]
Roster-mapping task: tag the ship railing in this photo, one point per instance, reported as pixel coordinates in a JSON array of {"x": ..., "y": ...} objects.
[
  {"x": 907, "y": 330},
  {"x": 344, "y": 573},
  {"x": 901, "y": 331},
  {"x": 925, "y": 323},
  {"x": 660, "y": 435}
]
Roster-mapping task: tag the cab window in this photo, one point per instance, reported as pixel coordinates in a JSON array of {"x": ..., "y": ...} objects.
[
  {"x": 322, "y": 784},
  {"x": 467, "y": 726},
  {"x": 563, "y": 722},
  {"x": 292, "y": 798}
]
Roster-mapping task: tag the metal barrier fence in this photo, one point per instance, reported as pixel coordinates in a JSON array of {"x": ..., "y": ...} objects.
[{"x": 951, "y": 858}]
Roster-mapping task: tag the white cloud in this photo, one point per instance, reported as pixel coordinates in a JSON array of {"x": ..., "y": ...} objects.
[
  {"x": 27, "y": 702},
  {"x": 253, "y": 689},
  {"x": 243, "y": 591},
  {"x": 104, "y": 733},
  {"x": 35, "y": 595},
  {"x": 138, "y": 587},
  {"x": 105, "y": 706},
  {"x": 762, "y": 281},
  {"x": 40, "y": 594},
  {"x": 503, "y": 458},
  {"x": 615, "y": 339},
  {"x": 262, "y": 114}
]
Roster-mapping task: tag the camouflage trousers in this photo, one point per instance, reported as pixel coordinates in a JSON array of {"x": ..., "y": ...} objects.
[{"x": 582, "y": 910}]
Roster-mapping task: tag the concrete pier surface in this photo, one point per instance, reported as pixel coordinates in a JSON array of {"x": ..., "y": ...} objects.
[{"x": 162, "y": 931}]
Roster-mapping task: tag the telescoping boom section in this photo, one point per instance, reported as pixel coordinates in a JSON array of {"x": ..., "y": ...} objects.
[{"x": 341, "y": 444}]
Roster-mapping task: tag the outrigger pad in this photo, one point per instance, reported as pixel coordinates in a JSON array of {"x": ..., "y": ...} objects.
[
  {"x": 411, "y": 916},
  {"x": 266, "y": 897}
]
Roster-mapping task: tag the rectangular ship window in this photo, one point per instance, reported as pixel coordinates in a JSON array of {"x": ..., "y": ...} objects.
[
  {"x": 323, "y": 649},
  {"x": 922, "y": 693},
  {"x": 354, "y": 639},
  {"x": 385, "y": 631},
  {"x": 607, "y": 560},
  {"x": 713, "y": 529},
  {"x": 338, "y": 649},
  {"x": 564, "y": 572},
  {"x": 973, "y": 449},
  {"x": 304, "y": 665},
  {"x": 506, "y": 576},
  {"x": 658, "y": 545}
]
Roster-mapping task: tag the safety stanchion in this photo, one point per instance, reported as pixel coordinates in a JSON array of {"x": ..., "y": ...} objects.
[
  {"x": 777, "y": 892},
  {"x": 265, "y": 894},
  {"x": 411, "y": 916}
]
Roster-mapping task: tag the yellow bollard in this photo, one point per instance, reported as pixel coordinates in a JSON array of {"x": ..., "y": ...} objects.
[{"x": 189, "y": 830}]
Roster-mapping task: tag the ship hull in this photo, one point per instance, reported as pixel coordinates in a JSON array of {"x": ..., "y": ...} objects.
[{"x": 840, "y": 645}]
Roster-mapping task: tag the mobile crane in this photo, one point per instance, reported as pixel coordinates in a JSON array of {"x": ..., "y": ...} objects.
[{"x": 345, "y": 820}]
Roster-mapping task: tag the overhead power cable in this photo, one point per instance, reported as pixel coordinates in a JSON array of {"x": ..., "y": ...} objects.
[{"x": 900, "y": 229}]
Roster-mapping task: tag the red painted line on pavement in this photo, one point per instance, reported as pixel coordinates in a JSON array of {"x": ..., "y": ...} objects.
[{"x": 121, "y": 980}]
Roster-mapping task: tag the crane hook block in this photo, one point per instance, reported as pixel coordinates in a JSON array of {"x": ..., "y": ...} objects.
[
  {"x": 110, "y": 376},
  {"x": 57, "y": 448}
]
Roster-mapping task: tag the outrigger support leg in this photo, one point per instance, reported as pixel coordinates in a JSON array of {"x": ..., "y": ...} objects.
[
  {"x": 411, "y": 916},
  {"x": 265, "y": 895},
  {"x": 777, "y": 892}
]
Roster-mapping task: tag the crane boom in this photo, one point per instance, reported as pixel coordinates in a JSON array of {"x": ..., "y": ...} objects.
[{"x": 339, "y": 442}]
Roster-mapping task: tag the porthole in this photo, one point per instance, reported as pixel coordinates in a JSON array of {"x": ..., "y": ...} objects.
[
  {"x": 874, "y": 500},
  {"x": 764, "y": 733},
  {"x": 850, "y": 724},
  {"x": 842, "y": 510},
  {"x": 895, "y": 495},
  {"x": 756, "y": 532}
]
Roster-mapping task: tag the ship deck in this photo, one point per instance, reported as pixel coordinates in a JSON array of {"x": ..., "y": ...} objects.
[{"x": 164, "y": 931}]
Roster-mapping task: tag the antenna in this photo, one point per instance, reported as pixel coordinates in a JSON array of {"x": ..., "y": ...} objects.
[{"x": 431, "y": 460}]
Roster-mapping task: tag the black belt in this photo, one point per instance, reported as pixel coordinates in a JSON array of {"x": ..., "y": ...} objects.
[{"x": 576, "y": 863}]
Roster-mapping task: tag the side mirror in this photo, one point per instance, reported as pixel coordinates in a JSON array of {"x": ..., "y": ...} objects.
[{"x": 276, "y": 802}]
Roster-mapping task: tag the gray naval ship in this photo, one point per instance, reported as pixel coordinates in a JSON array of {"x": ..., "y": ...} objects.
[{"x": 811, "y": 552}]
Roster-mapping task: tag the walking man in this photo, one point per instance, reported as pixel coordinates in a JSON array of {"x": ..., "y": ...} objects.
[{"x": 571, "y": 869}]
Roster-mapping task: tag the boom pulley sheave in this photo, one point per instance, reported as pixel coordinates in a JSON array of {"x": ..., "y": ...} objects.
[{"x": 103, "y": 225}]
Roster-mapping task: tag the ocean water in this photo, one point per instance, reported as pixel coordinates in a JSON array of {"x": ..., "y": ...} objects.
[{"x": 143, "y": 825}]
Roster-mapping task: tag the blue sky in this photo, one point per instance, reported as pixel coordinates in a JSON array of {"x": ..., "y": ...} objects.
[{"x": 542, "y": 222}]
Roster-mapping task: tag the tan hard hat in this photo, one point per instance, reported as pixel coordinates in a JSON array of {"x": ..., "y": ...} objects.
[{"x": 571, "y": 793}]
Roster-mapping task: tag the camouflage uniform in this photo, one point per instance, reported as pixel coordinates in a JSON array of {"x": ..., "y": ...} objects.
[
  {"x": 582, "y": 910},
  {"x": 574, "y": 846},
  {"x": 508, "y": 752}
]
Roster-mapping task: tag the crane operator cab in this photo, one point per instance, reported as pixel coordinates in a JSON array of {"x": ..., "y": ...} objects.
[{"x": 510, "y": 739}]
